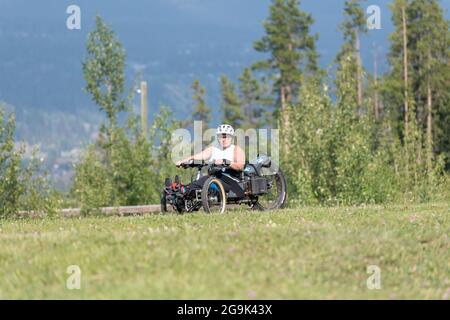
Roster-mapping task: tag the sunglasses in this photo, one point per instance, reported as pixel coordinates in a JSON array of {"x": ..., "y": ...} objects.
[{"x": 224, "y": 136}]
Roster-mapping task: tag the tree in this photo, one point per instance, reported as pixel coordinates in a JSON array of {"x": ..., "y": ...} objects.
[
  {"x": 334, "y": 159},
  {"x": 231, "y": 104},
  {"x": 311, "y": 172},
  {"x": 10, "y": 162},
  {"x": 398, "y": 85},
  {"x": 255, "y": 100},
  {"x": 350, "y": 143},
  {"x": 419, "y": 58},
  {"x": 23, "y": 186},
  {"x": 291, "y": 51},
  {"x": 375, "y": 87},
  {"x": 127, "y": 168},
  {"x": 92, "y": 185},
  {"x": 430, "y": 52},
  {"x": 354, "y": 24},
  {"x": 104, "y": 74},
  {"x": 411, "y": 88},
  {"x": 247, "y": 107},
  {"x": 201, "y": 111}
]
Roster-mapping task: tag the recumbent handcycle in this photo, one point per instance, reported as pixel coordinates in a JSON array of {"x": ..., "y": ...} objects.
[{"x": 262, "y": 182}]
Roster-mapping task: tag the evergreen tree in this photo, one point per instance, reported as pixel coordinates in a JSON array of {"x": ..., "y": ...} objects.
[
  {"x": 397, "y": 84},
  {"x": 417, "y": 86},
  {"x": 255, "y": 100},
  {"x": 354, "y": 24},
  {"x": 410, "y": 92},
  {"x": 291, "y": 51},
  {"x": 430, "y": 53},
  {"x": 231, "y": 104},
  {"x": 201, "y": 111},
  {"x": 374, "y": 87}
]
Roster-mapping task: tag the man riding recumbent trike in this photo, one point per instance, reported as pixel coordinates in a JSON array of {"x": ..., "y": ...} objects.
[{"x": 230, "y": 179}]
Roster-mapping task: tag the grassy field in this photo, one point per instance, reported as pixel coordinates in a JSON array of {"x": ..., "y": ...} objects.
[{"x": 295, "y": 253}]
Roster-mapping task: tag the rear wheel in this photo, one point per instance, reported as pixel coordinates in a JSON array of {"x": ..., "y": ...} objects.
[
  {"x": 276, "y": 196},
  {"x": 213, "y": 196}
]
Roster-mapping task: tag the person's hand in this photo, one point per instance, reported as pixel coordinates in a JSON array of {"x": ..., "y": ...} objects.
[
  {"x": 218, "y": 162},
  {"x": 179, "y": 163}
]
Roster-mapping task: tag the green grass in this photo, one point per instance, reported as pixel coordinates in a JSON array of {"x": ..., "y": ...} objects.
[{"x": 291, "y": 254}]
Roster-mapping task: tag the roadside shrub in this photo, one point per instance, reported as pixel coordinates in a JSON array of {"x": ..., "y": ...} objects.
[
  {"x": 131, "y": 171},
  {"x": 93, "y": 186},
  {"x": 22, "y": 185}
]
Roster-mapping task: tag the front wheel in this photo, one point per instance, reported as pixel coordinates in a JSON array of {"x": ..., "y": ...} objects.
[
  {"x": 277, "y": 194},
  {"x": 163, "y": 202},
  {"x": 213, "y": 196}
]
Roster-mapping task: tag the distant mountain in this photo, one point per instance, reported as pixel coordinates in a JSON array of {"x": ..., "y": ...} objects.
[{"x": 171, "y": 41}]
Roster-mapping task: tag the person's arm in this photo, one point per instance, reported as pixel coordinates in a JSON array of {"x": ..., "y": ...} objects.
[
  {"x": 239, "y": 159},
  {"x": 204, "y": 155}
]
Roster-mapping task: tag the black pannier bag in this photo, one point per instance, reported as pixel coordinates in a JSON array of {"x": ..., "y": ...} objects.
[{"x": 258, "y": 185}]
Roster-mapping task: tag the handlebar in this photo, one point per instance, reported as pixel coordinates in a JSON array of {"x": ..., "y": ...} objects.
[
  {"x": 202, "y": 163},
  {"x": 193, "y": 164}
]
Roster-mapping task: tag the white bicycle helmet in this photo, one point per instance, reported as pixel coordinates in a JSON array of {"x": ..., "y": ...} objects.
[{"x": 225, "y": 129}]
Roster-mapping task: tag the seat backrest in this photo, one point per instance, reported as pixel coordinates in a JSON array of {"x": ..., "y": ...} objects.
[{"x": 252, "y": 169}]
